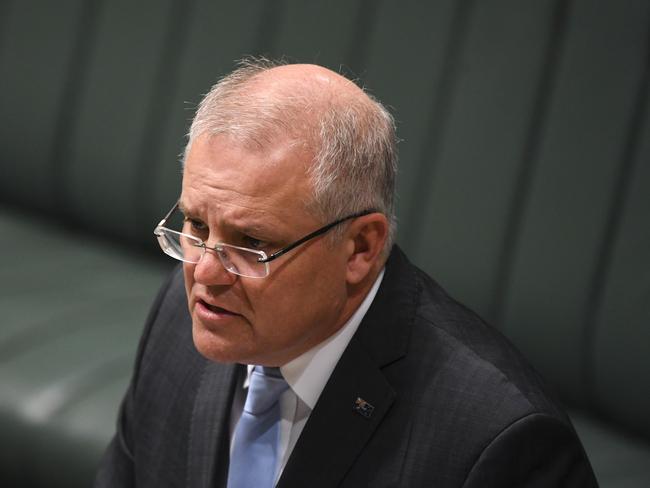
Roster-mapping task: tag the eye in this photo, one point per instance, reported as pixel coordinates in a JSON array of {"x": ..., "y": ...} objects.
[
  {"x": 254, "y": 243},
  {"x": 195, "y": 226}
]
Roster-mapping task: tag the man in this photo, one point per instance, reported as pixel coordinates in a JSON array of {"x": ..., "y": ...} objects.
[{"x": 285, "y": 229}]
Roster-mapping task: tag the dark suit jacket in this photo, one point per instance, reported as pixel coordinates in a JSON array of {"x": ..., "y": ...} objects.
[{"x": 454, "y": 404}]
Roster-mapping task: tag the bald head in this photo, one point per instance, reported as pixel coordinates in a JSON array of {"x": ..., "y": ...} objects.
[
  {"x": 347, "y": 136},
  {"x": 306, "y": 80},
  {"x": 261, "y": 102}
]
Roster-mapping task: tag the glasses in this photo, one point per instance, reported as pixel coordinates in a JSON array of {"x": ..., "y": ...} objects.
[{"x": 242, "y": 261}]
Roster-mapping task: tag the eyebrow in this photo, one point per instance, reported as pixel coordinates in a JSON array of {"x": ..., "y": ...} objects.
[
  {"x": 250, "y": 229},
  {"x": 187, "y": 212},
  {"x": 245, "y": 228},
  {"x": 182, "y": 208}
]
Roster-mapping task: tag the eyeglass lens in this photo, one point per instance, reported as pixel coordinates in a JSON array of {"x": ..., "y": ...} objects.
[{"x": 189, "y": 249}]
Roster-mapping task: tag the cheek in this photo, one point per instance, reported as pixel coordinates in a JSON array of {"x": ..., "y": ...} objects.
[{"x": 309, "y": 295}]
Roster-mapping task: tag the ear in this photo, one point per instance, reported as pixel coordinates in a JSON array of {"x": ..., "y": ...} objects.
[{"x": 365, "y": 239}]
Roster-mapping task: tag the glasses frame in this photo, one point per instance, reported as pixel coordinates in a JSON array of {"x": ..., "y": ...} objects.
[{"x": 264, "y": 258}]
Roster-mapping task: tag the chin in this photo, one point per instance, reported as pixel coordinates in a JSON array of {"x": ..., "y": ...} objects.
[{"x": 216, "y": 348}]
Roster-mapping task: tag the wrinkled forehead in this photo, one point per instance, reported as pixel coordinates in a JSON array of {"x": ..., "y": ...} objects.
[
  {"x": 248, "y": 150},
  {"x": 220, "y": 168}
]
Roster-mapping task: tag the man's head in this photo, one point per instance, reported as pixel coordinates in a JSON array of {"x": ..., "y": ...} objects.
[{"x": 274, "y": 153}]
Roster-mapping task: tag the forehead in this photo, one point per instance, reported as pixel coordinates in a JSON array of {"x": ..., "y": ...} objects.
[{"x": 225, "y": 177}]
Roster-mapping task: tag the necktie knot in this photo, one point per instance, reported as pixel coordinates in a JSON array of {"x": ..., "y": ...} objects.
[{"x": 266, "y": 386}]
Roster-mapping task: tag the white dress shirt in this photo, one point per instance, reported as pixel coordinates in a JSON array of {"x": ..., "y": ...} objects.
[{"x": 306, "y": 375}]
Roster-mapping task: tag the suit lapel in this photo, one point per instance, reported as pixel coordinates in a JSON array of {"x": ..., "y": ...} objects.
[
  {"x": 208, "y": 453},
  {"x": 352, "y": 405}
]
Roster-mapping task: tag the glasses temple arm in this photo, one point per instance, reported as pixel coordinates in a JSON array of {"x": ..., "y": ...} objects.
[
  {"x": 316, "y": 233},
  {"x": 166, "y": 217}
]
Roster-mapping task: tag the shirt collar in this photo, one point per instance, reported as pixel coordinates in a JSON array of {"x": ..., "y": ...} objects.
[{"x": 308, "y": 373}]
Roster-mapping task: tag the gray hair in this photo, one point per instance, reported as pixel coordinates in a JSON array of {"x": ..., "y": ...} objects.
[{"x": 352, "y": 138}]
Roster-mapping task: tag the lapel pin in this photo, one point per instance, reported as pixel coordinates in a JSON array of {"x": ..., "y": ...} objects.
[{"x": 363, "y": 408}]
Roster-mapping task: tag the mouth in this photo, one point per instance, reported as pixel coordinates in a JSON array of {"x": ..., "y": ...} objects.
[{"x": 211, "y": 312}]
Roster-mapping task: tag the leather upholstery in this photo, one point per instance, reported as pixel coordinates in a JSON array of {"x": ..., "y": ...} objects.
[{"x": 523, "y": 189}]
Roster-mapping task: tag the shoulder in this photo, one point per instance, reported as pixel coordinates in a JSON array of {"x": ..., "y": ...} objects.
[
  {"x": 447, "y": 346},
  {"x": 466, "y": 391},
  {"x": 167, "y": 313},
  {"x": 475, "y": 356},
  {"x": 167, "y": 338}
]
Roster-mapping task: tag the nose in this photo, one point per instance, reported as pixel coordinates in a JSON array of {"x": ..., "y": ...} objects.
[{"x": 209, "y": 271}]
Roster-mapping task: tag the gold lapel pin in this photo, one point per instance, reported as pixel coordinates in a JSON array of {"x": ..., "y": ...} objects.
[{"x": 362, "y": 407}]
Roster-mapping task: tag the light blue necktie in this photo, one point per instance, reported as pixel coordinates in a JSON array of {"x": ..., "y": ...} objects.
[{"x": 254, "y": 454}]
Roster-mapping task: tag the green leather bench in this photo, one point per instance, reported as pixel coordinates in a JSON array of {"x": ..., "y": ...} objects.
[{"x": 524, "y": 189}]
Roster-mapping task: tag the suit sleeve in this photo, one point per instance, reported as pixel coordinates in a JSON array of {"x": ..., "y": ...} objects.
[
  {"x": 117, "y": 467},
  {"x": 534, "y": 451}
]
